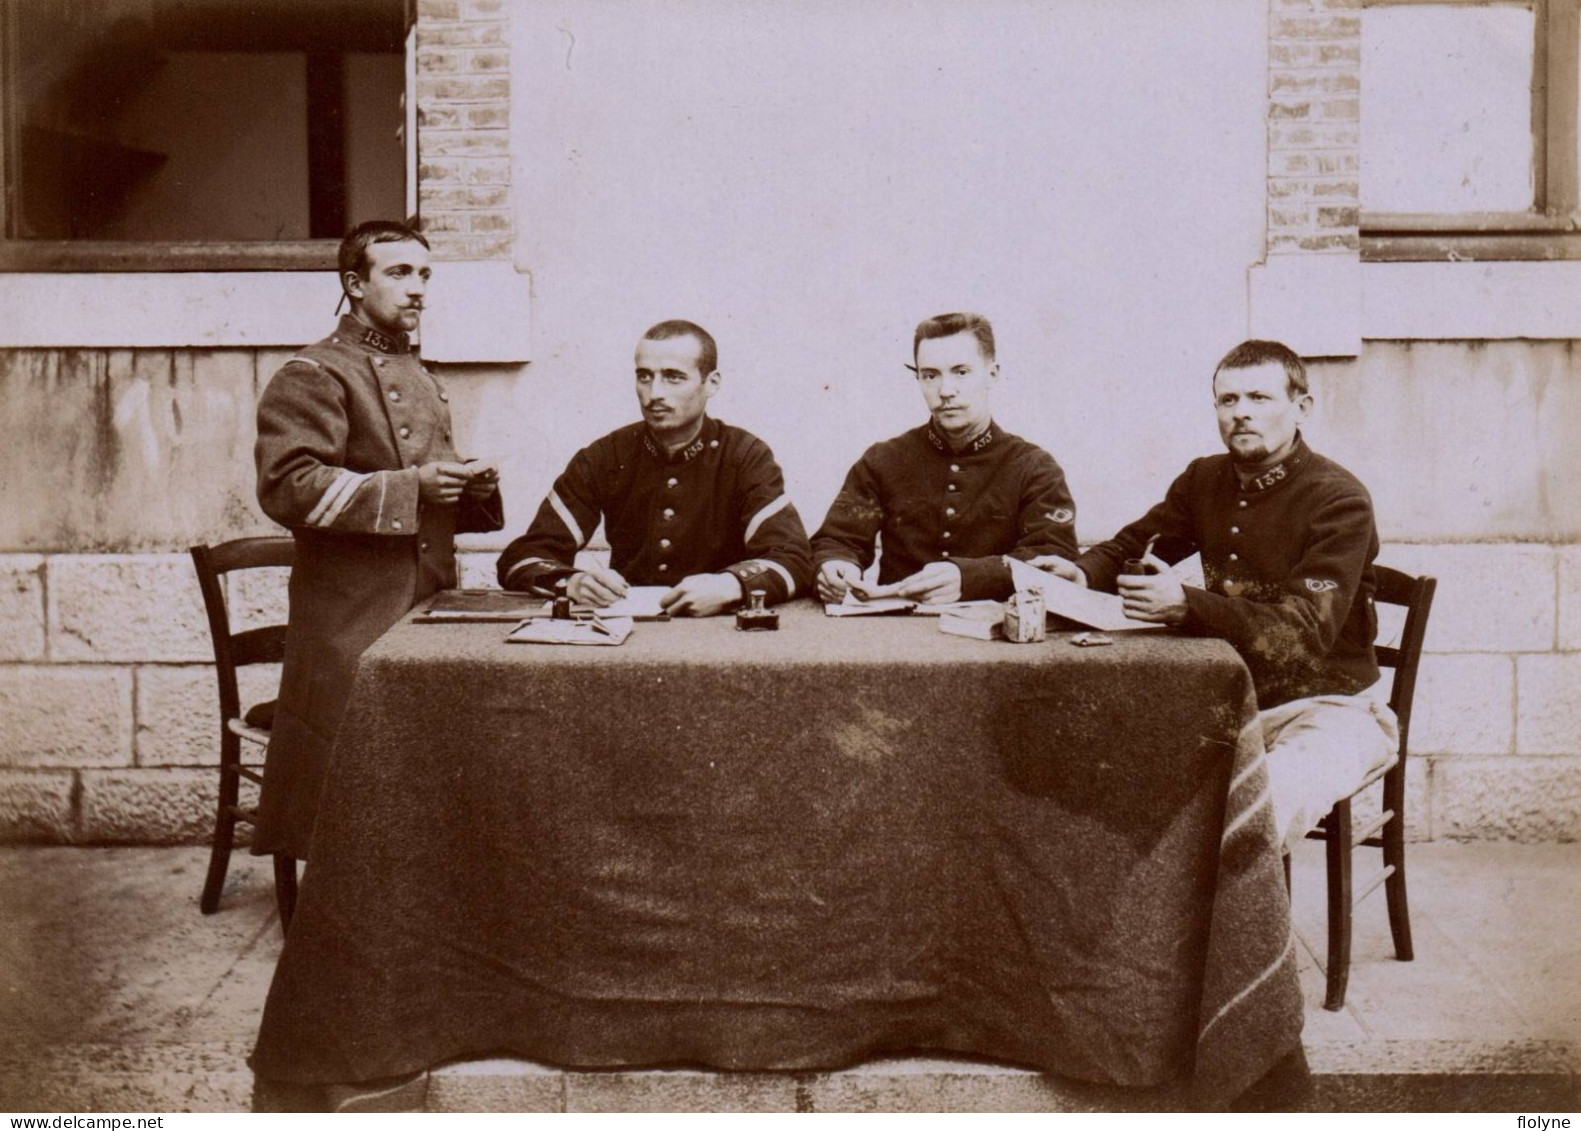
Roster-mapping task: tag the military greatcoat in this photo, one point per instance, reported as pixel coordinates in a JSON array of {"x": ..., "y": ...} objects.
[{"x": 342, "y": 429}]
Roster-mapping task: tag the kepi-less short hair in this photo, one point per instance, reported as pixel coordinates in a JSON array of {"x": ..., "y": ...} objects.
[
  {"x": 948, "y": 325},
  {"x": 1256, "y": 351},
  {"x": 707, "y": 350},
  {"x": 353, "y": 255}
]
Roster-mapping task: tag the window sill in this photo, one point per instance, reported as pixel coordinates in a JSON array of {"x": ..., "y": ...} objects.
[
  {"x": 478, "y": 311},
  {"x": 1471, "y": 301},
  {"x": 1470, "y": 247},
  {"x": 1327, "y": 305},
  {"x": 96, "y": 256}
]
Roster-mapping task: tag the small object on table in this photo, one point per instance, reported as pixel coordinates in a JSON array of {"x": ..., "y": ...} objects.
[
  {"x": 562, "y": 602},
  {"x": 855, "y": 606},
  {"x": 1090, "y": 639},
  {"x": 984, "y": 621},
  {"x": 589, "y": 631},
  {"x": 462, "y": 606},
  {"x": 756, "y": 617},
  {"x": 1024, "y": 618}
]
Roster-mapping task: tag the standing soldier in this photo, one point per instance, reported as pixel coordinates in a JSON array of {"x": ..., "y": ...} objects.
[{"x": 355, "y": 456}]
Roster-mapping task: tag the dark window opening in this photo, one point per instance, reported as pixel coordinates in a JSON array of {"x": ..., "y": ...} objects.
[{"x": 192, "y": 122}]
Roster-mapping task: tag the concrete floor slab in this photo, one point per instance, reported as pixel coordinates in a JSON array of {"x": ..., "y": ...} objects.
[{"x": 117, "y": 994}]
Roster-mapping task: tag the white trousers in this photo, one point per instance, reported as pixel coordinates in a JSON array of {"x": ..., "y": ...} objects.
[{"x": 1319, "y": 750}]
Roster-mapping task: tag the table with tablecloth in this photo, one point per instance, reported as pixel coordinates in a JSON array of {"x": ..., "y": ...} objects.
[{"x": 792, "y": 850}]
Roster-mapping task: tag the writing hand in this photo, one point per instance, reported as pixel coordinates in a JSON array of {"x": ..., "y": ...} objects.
[
  {"x": 835, "y": 579},
  {"x": 599, "y": 588}
]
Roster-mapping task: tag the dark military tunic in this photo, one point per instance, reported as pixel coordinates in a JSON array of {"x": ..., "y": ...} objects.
[
  {"x": 718, "y": 505},
  {"x": 1001, "y": 496},
  {"x": 342, "y": 429},
  {"x": 1288, "y": 563}
]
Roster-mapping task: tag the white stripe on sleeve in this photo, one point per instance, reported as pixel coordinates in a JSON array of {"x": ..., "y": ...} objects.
[
  {"x": 343, "y": 499},
  {"x": 790, "y": 582},
  {"x": 763, "y": 516},
  {"x": 331, "y": 493},
  {"x": 568, "y": 518}
]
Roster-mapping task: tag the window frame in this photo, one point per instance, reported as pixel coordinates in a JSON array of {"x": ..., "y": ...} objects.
[
  {"x": 1552, "y": 229},
  {"x": 128, "y": 256}
]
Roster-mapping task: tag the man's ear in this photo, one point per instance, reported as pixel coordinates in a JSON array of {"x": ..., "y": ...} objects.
[
  {"x": 1303, "y": 407},
  {"x": 711, "y": 383},
  {"x": 351, "y": 283}
]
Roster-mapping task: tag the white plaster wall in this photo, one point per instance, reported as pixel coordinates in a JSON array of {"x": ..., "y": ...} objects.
[{"x": 809, "y": 179}]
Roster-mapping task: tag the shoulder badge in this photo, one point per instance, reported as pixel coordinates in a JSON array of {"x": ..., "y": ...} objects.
[{"x": 1321, "y": 585}]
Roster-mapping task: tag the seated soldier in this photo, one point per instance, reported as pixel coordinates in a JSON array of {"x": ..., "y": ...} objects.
[
  {"x": 687, "y": 501},
  {"x": 1287, "y": 542},
  {"x": 953, "y": 497}
]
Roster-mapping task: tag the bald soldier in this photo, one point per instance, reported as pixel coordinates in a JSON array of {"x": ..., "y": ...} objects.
[{"x": 687, "y": 501}]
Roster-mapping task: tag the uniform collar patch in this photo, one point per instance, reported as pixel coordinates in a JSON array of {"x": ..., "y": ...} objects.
[
  {"x": 940, "y": 444},
  {"x": 696, "y": 448},
  {"x": 360, "y": 332},
  {"x": 1279, "y": 472}
]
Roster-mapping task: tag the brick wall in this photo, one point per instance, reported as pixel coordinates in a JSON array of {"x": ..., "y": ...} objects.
[
  {"x": 463, "y": 127},
  {"x": 1314, "y": 125}
]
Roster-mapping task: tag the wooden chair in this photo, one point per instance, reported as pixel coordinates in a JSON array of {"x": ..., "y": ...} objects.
[
  {"x": 233, "y": 651},
  {"x": 1387, "y": 829}
]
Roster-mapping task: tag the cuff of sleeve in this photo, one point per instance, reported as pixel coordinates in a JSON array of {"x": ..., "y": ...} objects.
[
  {"x": 839, "y": 554},
  {"x": 1099, "y": 575},
  {"x": 759, "y": 573},
  {"x": 1202, "y": 610},
  {"x": 984, "y": 579},
  {"x": 530, "y": 575},
  {"x": 479, "y": 516},
  {"x": 398, "y": 502}
]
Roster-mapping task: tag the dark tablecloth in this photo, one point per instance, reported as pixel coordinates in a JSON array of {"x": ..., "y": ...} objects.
[{"x": 792, "y": 851}]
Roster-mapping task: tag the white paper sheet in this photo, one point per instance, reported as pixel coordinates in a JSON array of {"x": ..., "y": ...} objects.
[{"x": 1075, "y": 602}]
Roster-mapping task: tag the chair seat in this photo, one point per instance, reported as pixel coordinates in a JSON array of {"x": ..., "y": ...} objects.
[{"x": 255, "y": 725}]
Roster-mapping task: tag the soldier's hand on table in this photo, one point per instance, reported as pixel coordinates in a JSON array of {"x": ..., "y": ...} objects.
[
  {"x": 1060, "y": 567},
  {"x": 485, "y": 477},
  {"x": 1157, "y": 598},
  {"x": 441, "y": 482},
  {"x": 597, "y": 587},
  {"x": 702, "y": 595},
  {"x": 937, "y": 583},
  {"x": 835, "y": 579}
]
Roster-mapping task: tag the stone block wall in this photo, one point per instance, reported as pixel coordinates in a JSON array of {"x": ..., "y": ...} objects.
[{"x": 109, "y": 730}]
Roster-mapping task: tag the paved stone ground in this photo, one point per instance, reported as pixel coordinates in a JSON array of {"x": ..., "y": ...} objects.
[{"x": 117, "y": 995}]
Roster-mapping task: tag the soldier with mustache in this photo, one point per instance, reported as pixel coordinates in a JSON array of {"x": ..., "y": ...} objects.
[
  {"x": 1288, "y": 540},
  {"x": 355, "y": 455}
]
